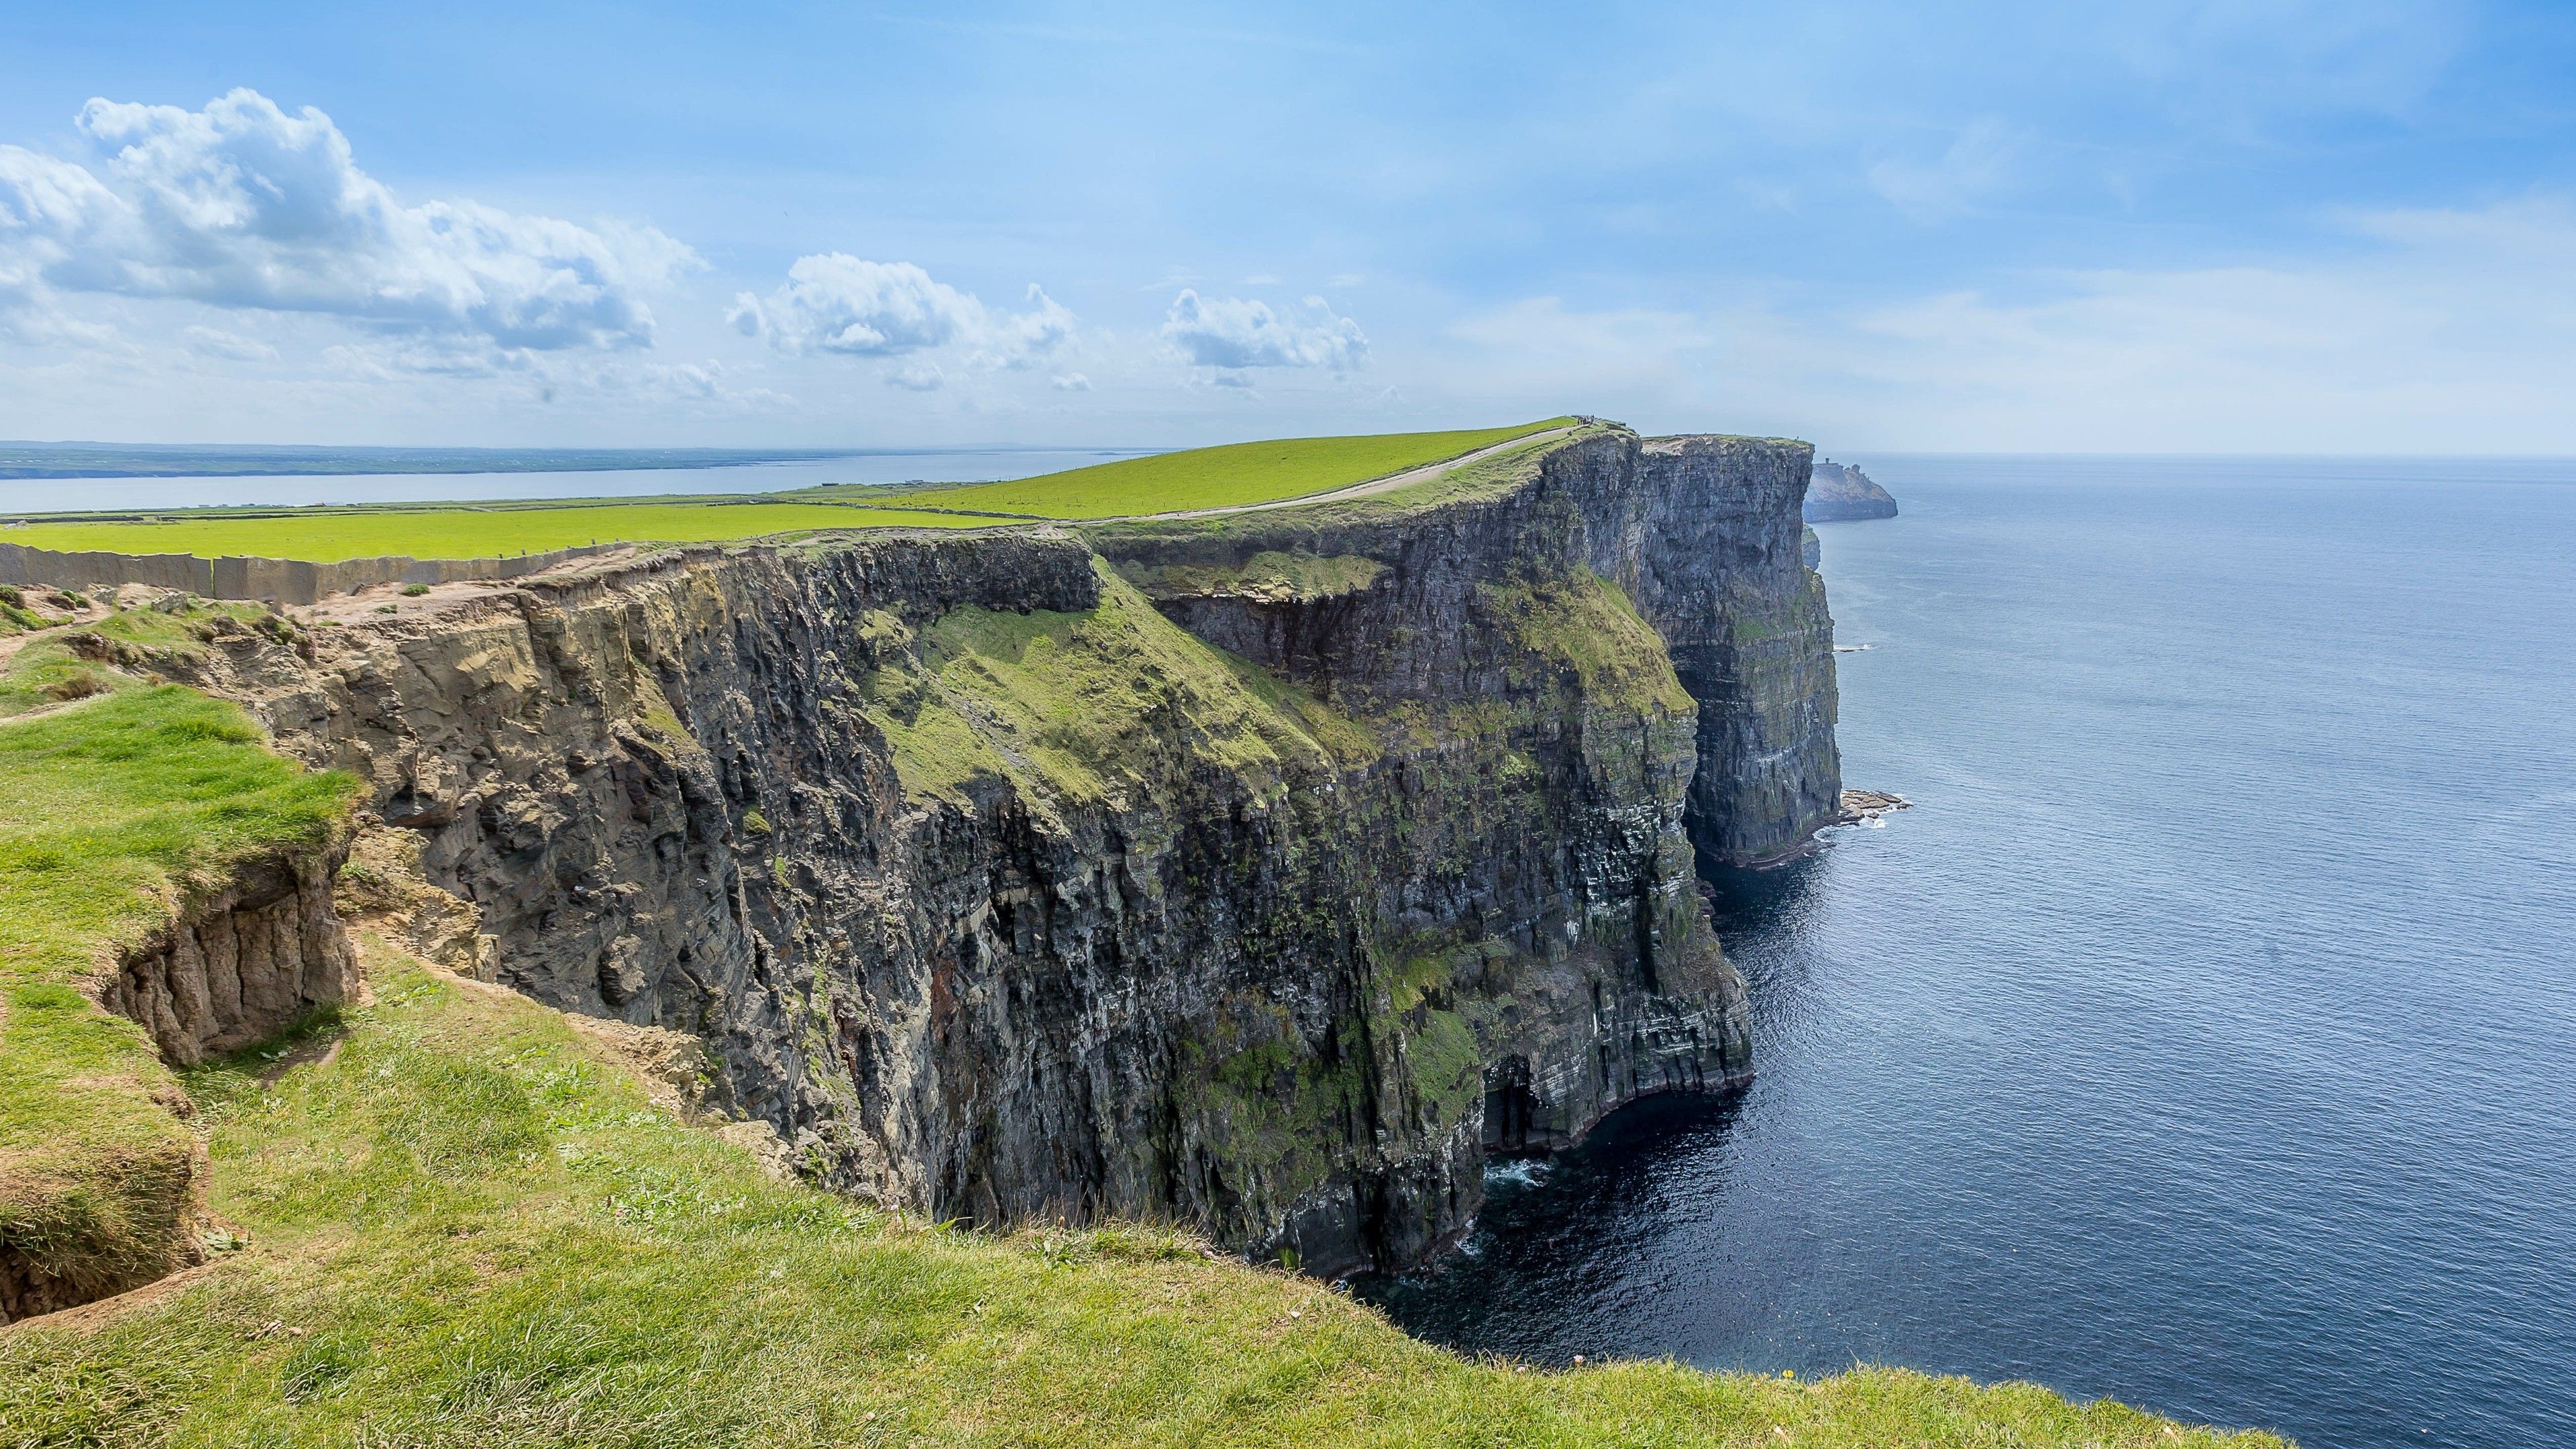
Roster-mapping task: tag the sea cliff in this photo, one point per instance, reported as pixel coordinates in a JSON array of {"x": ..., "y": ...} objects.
[{"x": 1268, "y": 872}]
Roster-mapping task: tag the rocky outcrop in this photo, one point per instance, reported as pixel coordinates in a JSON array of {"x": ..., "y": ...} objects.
[
  {"x": 1841, "y": 492},
  {"x": 241, "y": 964},
  {"x": 1267, "y": 872}
]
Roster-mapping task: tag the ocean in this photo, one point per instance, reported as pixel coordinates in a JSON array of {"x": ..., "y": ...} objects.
[{"x": 2204, "y": 1037}]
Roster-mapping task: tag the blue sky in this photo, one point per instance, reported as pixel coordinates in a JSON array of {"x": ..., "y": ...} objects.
[{"x": 2287, "y": 226}]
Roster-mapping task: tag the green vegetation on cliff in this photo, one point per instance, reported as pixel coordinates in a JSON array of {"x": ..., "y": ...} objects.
[
  {"x": 470, "y": 1226},
  {"x": 1062, "y": 704},
  {"x": 116, "y": 799}
]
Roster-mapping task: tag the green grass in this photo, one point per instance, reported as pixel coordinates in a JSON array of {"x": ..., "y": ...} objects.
[
  {"x": 469, "y": 1227},
  {"x": 1225, "y": 477},
  {"x": 111, "y": 806},
  {"x": 328, "y": 535}
]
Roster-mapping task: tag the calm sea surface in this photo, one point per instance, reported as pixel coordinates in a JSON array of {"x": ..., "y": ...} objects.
[
  {"x": 2206, "y": 1035},
  {"x": 952, "y": 465}
]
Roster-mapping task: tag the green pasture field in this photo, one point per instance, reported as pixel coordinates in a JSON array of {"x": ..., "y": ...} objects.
[
  {"x": 1224, "y": 477},
  {"x": 328, "y": 535}
]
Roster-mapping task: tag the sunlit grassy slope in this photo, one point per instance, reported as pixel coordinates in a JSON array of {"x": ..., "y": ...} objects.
[
  {"x": 327, "y": 535},
  {"x": 1225, "y": 477},
  {"x": 470, "y": 1227},
  {"x": 114, "y": 795}
]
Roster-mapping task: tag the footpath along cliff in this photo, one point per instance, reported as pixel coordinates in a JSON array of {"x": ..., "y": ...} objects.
[{"x": 1267, "y": 871}]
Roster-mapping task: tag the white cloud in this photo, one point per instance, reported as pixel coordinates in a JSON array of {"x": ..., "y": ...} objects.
[
  {"x": 241, "y": 205},
  {"x": 1069, "y": 382},
  {"x": 837, "y": 303},
  {"x": 917, "y": 377},
  {"x": 1979, "y": 161},
  {"x": 215, "y": 342},
  {"x": 1236, "y": 332}
]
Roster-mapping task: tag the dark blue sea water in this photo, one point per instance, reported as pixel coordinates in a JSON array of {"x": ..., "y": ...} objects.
[{"x": 2206, "y": 1035}]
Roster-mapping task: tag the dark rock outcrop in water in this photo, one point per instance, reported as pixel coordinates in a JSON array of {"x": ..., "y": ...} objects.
[
  {"x": 1839, "y": 492},
  {"x": 1266, "y": 871}
]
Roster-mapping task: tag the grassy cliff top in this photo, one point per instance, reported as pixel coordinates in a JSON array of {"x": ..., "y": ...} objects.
[
  {"x": 327, "y": 535},
  {"x": 116, "y": 799},
  {"x": 1233, "y": 476}
]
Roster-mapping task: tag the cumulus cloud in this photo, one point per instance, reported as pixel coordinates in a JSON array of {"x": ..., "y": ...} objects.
[
  {"x": 241, "y": 205},
  {"x": 1070, "y": 382},
  {"x": 836, "y": 303},
  {"x": 1236, "y": 332}
]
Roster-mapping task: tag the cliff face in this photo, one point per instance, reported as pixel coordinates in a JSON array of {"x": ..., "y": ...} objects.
[
  {"x": 999, "y": 891},
  {"x": 1840, "y": 492}
]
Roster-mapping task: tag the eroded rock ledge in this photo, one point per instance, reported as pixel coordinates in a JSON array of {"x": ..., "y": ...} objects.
[{"x": 1268, "y": 873}]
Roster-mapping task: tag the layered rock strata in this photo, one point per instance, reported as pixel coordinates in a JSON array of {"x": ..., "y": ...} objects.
[
  {"x": 240, "y": 964},
  {"x": 1267, "y": 872}
]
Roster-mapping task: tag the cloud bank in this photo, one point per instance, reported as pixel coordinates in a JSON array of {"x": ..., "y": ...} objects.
[
  {"x": 836, "y": 303},
  {"x": 1235, "y": 332},
  {"x": 241, "y": 205}
]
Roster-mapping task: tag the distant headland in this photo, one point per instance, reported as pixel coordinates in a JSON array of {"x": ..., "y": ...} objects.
[{"x": 1839, "y": 491}]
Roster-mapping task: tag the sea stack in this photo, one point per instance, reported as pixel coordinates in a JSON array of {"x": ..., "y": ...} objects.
[{"x": 1838, "y": 492}]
